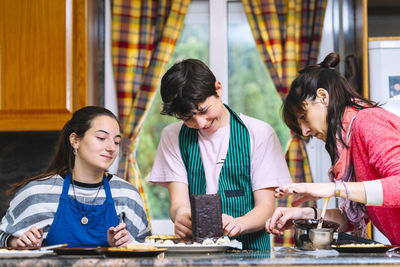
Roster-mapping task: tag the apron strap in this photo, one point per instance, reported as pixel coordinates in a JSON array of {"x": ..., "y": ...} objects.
[
  {"x": 107, "y": 189},
  {"x": 67, "y": 182}
]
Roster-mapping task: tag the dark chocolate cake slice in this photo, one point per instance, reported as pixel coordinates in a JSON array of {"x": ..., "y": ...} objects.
[{"x": 206, "y": 216}]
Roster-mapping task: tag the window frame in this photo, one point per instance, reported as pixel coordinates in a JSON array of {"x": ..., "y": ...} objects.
[{"x": 218, "y": 23}]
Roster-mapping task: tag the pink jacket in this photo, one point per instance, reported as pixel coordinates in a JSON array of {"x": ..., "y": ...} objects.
[{"x": 375, "y": 150}]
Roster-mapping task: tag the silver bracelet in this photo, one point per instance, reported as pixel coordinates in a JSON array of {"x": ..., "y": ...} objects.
[{"x": 347, "y": 190}]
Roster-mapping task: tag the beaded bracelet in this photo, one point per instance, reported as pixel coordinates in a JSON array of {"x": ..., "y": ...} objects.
[{"x": 337, "y": 189}]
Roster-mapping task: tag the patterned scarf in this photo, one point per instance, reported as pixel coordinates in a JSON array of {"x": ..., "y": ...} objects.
[{"x": 343, "y": 170}]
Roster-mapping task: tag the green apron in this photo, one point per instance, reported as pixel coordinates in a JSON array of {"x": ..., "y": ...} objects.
[{"x": 234, "y": 183}]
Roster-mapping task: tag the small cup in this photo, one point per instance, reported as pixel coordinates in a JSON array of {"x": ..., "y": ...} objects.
[{"x": 321, "y": 238}]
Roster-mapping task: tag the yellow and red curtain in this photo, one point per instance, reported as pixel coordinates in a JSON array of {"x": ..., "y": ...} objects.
[
  {"x": 144, "y": 33},
  {"x": 288, "y": 35}
]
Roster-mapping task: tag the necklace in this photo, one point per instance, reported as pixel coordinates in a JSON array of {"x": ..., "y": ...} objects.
[{"x": 84, "y": 219}]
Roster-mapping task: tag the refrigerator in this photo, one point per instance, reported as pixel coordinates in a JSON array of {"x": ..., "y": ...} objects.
[{"x": 384, "y": 83}]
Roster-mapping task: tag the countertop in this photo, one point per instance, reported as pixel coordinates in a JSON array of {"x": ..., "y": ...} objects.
[{"x": 284, "y": 256}]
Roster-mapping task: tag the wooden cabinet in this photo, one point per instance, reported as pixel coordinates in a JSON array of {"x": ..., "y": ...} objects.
[{"x": 43, "y": 63}]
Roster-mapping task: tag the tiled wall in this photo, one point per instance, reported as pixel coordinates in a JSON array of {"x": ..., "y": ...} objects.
[{"x": 23, "y": 154}]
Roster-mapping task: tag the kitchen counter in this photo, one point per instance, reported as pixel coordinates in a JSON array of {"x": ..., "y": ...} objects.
[{"x": 278, "y": 257}]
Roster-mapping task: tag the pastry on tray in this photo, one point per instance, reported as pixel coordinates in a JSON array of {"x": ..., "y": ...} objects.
[
  {"x": 136, "y": 247},
  {"x": 175, "y": 240}
]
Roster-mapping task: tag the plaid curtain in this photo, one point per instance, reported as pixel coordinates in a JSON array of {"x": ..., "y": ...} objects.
[
  {"x": 288, "y": 34},
  {"x": 144, "y": 33}
]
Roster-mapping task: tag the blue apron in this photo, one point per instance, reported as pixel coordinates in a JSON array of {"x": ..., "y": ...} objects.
[{"x": 67, "y": 227}]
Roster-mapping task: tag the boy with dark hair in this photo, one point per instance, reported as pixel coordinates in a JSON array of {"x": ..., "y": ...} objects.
[{"x": 214, "y": 150}]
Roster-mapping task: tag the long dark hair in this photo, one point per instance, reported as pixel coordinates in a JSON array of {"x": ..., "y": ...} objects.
[
  {"x": 341, "y": 95},
  {"x": 64, "y": 159}
]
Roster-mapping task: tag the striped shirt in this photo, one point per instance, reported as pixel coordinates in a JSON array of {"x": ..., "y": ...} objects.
[{"x": 36, "y": 205}]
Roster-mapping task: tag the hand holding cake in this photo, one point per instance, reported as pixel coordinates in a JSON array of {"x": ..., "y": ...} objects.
[{"x": 183, "y": 224}]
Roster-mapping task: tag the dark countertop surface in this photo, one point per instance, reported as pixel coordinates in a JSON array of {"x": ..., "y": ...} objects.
[{"x": 284, "y": 256}]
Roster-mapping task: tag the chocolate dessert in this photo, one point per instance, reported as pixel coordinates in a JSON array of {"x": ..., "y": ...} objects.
[{"x": 206, "y": 216}]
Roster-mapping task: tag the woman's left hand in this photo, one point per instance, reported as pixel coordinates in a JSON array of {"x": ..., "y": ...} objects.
[
  {"x": 230, "y": 225},
  {"x": 118, "y": 236},
  {"x": 306, "y": 191}
]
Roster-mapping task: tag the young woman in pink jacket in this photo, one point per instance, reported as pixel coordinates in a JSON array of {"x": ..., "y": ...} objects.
[{"x": 363, "y": 141}]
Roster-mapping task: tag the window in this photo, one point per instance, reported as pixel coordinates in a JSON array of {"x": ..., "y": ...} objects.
[{"x": 249, "y": 90}]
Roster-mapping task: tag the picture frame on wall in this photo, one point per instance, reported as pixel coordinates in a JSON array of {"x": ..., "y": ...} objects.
[{"x": 394, "y": 86}]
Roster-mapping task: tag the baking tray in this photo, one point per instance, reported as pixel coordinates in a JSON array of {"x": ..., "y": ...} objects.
[
  {"x": 362, "y": 248},
  {"x": 110, "y": 252}
]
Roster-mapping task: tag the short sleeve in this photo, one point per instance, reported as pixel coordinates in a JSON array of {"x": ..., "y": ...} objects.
[{"x": 168, "y": 165}]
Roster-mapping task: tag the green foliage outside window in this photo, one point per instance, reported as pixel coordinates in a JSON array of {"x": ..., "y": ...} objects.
[{"x": 251, "y": 89}]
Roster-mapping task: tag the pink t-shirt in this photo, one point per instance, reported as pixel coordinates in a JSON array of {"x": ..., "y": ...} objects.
[
  {"x": 375, "y": 151},
  {"x": 268, "y": 165}
]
